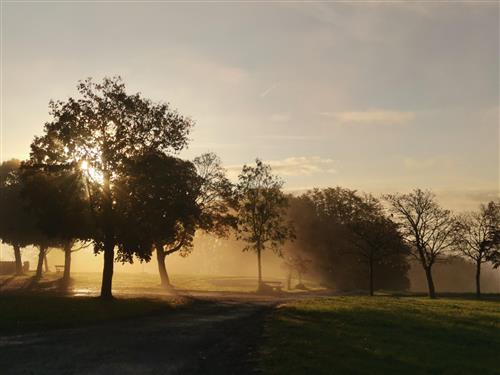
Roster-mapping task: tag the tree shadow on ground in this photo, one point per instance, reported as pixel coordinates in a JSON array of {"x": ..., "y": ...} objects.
[
  {"x": 37, "y": 285},
  {"x": 393, "y": 339}
]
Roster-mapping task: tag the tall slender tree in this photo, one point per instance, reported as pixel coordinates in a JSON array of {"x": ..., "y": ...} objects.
[
  {"x": 262, "y": 212},
  {"x": 99, "y": 131}
]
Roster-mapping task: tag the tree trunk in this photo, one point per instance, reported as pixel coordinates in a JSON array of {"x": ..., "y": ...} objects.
[
  {"x": 370, "y": 266},
  {"x": 289, "y": 281},
  {"x": 260, "y": 266},
  {"x": 109, "y": 242},
  {"x": 19, "y": 263},
  {"x": 67, "y": 262},
  {"x": 430, "y": 282},
  {"x": 39, "y": 267},
  {"x": 46, "y": 263},
  {"x": 107, "y": 272},
  {"x": 160, "y": 256},
  {"x": 478, "y": 279}
]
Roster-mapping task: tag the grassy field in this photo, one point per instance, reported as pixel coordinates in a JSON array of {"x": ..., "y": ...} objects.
[
  {"x": 139, "y": 284},
  {"x": 26, "y": 312},
  {"x": 384, "y": 335}
]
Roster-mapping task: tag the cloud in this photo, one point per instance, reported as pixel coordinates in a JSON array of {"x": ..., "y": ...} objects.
[
  {"x": 371, "y": 117},
  {"x": 294, "y": 166},
  {"x": 466, "y": 200},
  {"x": 436, "y": 162},
  {"x": 202, "y": 69},
  {"x": 280, "y": 117}
]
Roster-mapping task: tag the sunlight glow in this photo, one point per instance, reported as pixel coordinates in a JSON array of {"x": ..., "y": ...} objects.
[{"x": 91, "y": 172}]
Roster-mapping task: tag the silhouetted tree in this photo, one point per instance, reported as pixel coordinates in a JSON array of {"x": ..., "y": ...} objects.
[
  {"x": 59, "y": 203},
  {"x": 157, "y": 203},
  {"x": 476, "y": 236},
  {"x": 15, "y": 223},
  {"x": 216, "y": 199},
  {"x": 18, "y": 224},
  {"x": 377, "y": 239},
  {"x": 213, "y": 214},
  {"x": 100, "y": 130},
  {"x": 262, "y": 211},
  {"x": 331, "y": 226},
  {"x": 426, "y": 226}
]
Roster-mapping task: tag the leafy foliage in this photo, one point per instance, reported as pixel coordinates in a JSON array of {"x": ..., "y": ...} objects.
[
  {"x": 347, "y": 234},
  {"x": 157, "y": 204},
  {"x": 262, "y": 209}
]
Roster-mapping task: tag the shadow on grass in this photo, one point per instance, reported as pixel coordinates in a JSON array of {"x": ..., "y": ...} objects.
[
  {"x": 386, "y": 336},
  {"x": 25, "y": 313},
  {"x": 7, "y": 281},
  {"x": 36, "y": 285}
]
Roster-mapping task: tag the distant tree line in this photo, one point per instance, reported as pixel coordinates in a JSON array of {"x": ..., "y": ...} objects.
[{"x": 106, "y": 173}]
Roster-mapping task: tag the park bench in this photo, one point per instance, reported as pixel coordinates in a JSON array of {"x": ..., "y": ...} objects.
[
  {"x": 276, "y": 286},
  {"x": 59, "y": 268}
]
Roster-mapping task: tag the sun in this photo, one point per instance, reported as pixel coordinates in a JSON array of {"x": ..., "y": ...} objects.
[{"x": 94, "y": 174}]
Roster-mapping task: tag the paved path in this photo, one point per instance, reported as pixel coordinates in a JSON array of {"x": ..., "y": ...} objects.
[{"x": 212, "y": 336}]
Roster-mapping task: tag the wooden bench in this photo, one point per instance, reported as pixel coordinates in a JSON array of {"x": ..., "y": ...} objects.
[
  {"x": 59, "y": 268},
  {"x": 276, "y": 286}
]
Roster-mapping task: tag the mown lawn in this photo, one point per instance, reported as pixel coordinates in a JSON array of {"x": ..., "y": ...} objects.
[
  {"x": 27, "y": 312},
  {"x": 384, "y": 335}
]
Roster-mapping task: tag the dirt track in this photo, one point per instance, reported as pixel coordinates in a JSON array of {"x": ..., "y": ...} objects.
[{"x": 213, "y": 336}]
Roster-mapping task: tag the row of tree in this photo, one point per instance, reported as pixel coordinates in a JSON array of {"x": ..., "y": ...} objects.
[
  {"x": 357, "y": 240},
  {"x": 105, "y": 173}
]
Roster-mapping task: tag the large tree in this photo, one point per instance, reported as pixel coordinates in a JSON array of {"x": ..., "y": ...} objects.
[
  {"x": 166, "y": 200},
  {"x": 262, "y": 221},
  {"x": 477, "y": 236},
  {"x": 157, "y": 203},
  {"x": 100, "y": 130},
  {"x": 426, "y": 226}
]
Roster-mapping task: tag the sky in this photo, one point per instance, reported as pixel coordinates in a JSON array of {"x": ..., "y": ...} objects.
[{"x": 375, "y": 97}]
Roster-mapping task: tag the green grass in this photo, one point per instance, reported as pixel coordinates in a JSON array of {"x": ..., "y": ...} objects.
[
  {"x": 384, "y": 335},
  {"x": 26, "y": 312}
]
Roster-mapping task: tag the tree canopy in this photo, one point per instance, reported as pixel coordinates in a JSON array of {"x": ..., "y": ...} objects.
[{"x": 100, "y": 131}]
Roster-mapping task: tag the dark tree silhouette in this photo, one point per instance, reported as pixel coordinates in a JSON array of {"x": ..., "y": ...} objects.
[
  {"x": 215, "y": 201},
  {"x": 477, "y": 236},
  {"x": 326, "y": 222},
  {"x": 427, "y": 228},
  {"x": 18, "y": 225},
  {"x": 157, "y": 203},
  {"x": 262, "y": 212},
  {"x": 59, "y": 202},
  {"x": 15, "y": 224},
  {"x": 100, "y": 130},
  {"x": 377, "y": 239}
]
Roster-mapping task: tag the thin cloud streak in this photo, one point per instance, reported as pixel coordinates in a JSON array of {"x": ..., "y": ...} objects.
[
  {"x": 293, "y": 166},
  {"x": 371, "y": 117},
  {"x": 266, "y": 92}
]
